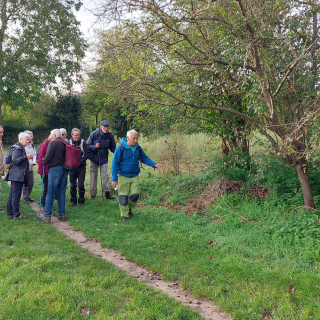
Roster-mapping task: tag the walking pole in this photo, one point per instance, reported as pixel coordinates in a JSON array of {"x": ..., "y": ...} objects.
[
  {"x": 41, "y": 193},
  {"x": 100, "y": 175}
]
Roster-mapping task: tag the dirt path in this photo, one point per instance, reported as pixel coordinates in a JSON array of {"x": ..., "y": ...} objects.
[{"x": 205, "y": 307}]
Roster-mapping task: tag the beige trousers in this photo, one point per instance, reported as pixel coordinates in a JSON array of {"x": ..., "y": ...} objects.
[{"x": 94, "y": 168}]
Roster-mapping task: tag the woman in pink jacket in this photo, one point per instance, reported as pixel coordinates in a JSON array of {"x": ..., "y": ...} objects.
[{"x": 41, "y": 153}]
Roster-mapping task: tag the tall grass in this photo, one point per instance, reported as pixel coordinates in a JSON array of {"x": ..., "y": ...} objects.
[{"x": 194, "y": 151}]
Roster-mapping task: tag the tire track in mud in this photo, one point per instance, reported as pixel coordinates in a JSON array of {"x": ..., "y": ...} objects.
[{"x": 206, "y": 308}]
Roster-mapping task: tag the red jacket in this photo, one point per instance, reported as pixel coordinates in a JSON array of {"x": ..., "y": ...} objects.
[{"x": 42, "y": 152}]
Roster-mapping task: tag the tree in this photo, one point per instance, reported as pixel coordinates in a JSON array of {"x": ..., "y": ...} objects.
[
  {"x": 199, "y": 51},
  {"x": 40, "y": 45},
  {"x": 66, "y": 113}
]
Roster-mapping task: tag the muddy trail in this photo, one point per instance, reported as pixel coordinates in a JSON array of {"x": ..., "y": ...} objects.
[{"x": 206, "y": 308}]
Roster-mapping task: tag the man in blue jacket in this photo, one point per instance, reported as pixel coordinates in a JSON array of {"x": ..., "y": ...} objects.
[
  {"x": 125, "y": 172},
  {"x": 99, "y": 143}
]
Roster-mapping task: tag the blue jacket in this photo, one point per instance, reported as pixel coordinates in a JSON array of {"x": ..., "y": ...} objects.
[
  {"x": 107, "y": 143},
  {"x": 20, "y": 165},
  {"x": 128, "y": 164}
]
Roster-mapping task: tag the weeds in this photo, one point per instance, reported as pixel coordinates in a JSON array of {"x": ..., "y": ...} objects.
[{"x": 243, "y": 253}]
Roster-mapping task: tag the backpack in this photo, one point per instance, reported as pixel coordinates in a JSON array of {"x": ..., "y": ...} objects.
[
  {"x": 97, "y": 136},
  {"x": 8, "y": 158},
  {"x": 73, "y": 157}
]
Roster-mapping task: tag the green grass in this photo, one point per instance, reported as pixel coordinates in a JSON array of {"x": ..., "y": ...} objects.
[
  {"x": 44, "y": 275},
  {"x": 247, "y": 271}
]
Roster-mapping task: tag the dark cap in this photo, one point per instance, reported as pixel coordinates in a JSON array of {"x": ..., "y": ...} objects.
[{"x": 104, "y": 123}]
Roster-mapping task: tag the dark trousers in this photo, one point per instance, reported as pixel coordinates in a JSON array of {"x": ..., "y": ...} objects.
[
  {"x": 45, "y": 190},
  {"x": 80, "y": 174},
  {"x": 27, "y": 188},
  {"x": 14, "y": 199}
]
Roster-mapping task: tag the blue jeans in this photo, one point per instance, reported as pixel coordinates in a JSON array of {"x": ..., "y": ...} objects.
[{"x": 57, "y": 181}]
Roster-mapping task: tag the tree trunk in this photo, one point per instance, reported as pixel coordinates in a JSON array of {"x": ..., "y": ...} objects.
[
  {"x": 245, "y": 144},
  {"x": 224, "y": 147},
  {"x": 302, "y": 169},
  {"x": 1, "y": 104}
]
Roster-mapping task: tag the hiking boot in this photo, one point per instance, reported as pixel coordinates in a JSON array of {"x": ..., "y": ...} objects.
[
  {"x": 92, "y": 197},
  {"x": 62, "y": 218},
  {"x": 130, "y": 213},
  {"x": 124, "y": 219},
  {"x": 47, "y": 219},
  {"x": 26, "y": 201},
  {"x": 31, "y": 200},
  {"x": 20, "y": 217},
  {"x": 109, "y": 196}
]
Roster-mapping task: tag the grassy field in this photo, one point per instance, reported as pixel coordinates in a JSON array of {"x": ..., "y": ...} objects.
[
  {"x": 243, "y": 253},
  {"x": 44, "y": 275}
]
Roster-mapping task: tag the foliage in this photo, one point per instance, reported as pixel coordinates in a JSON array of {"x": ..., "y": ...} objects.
[
  {"x": 11, "y": 133},
  {"x": 244, "y": 58},
  {"x": 40, "y": 44},
  {"x": 66, "y": 113},
  {"x": 234, "y": 166},
  {"x": 98, "y": 106},
  {"x": 199, "y": 251}
]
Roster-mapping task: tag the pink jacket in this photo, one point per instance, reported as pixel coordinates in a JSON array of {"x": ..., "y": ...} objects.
[{"x": 42, "y": 152}]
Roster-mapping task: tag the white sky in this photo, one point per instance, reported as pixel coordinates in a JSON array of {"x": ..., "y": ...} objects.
[{"x": 87, "y": 19}]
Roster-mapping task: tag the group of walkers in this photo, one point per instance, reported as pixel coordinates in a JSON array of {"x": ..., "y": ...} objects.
[{"x": 51, "y": 156}]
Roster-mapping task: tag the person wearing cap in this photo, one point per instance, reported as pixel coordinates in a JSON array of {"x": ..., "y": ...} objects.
[
  {"x": 17, "y": 175},
  {"x": 99, "y": 143},
  {"x": 125, "y": 171},
  {"x": 64, "y": 134},
  {"x": 27, "y": 188}
]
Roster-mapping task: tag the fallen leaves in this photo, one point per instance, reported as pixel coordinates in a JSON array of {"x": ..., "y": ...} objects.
[
  {"x": 85, "y": 311},
  {"x": 291, "y": 289}
]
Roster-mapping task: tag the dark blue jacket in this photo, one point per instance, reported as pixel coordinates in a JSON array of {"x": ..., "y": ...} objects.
[
  {"x": 107, "y": 143},
  {"x": 128, "y": 164},
  {"x": 20, "y": 165}
]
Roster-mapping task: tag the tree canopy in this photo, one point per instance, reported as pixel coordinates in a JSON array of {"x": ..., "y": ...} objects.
[
  {"x": 255, "y": 60},
  {"x": 40, "y": 46}
]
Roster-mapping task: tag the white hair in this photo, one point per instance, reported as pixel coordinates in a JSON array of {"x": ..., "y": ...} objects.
[
  {"x": 29, "y": 132},
  {"x": 22, "y": 135},
  {"x": 63, "y": 131},
  {"x": 130, "y": 132},
  {"x": 57, "y": 132}
]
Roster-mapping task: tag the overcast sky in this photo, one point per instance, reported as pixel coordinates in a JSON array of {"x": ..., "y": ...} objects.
[{"x": 86, "y": 18}]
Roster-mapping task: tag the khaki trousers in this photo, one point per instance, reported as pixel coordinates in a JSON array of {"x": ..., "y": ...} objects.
[
  {"x": 94, "y": 168},
  {"x": 129, "y": 189}
]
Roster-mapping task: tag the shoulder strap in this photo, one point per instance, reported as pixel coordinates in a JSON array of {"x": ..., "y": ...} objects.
[
  {"x": 97, "y": 135},
  {"x": 140, "y": 150},
  {"x": 81, "y": 145},
  {"x": 122, "y": 150}
]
